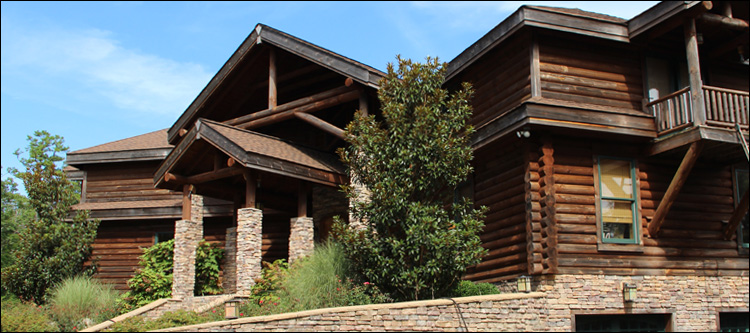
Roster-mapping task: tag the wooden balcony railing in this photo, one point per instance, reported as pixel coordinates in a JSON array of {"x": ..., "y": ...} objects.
[{"x": 724, "y": 108}]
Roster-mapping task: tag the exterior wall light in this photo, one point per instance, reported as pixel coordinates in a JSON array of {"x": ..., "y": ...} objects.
[
  {"x": 523, "y": 133},
  {"x": 628, "y": 292},
  {"x": 232, "y": 308},
  {"x": 524, "y": 283}
]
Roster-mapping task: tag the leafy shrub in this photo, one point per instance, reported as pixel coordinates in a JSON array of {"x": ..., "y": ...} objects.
[
  {"x": 153, "y": 280},
  {"x": 468, "y": 288},
  {"x": 80, "y": 301},
  {"x": 18, "y": 316}
]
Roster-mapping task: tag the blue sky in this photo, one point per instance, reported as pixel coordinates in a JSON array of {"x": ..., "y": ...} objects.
[{"x": 96, "y": 72}]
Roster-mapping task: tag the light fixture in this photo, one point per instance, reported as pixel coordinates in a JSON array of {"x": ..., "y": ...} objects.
[
  {"x": 523, "y": 133},
  {"x": 628, "y": 292},
  {"x": 524, "y": 283},
  {"x": 232, "y": 308}
]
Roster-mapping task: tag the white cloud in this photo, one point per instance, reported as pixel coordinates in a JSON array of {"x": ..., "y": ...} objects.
[{"x": 94, "y": 61}]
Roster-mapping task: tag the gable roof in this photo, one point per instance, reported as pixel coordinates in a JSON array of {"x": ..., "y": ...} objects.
[
  {"x": 361, "y": 73},
  {"x": 260, "y": 152},
  {"x": 149, "y": 146}
]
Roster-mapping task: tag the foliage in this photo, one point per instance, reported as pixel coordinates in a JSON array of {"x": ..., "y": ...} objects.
[
  {"x": 468, "y": 288},
  {"x": 18, "y": 316},
  {"x": 16, "y": 213},
  {"x": 169, "y": 319},
  {"x": 321, "y": 280},
  {"x": 153, "y": 280},
  {"x": 419, "y": 239},
  {"x": 49, "y": 248},
  {"x": 80, "y": 301}
]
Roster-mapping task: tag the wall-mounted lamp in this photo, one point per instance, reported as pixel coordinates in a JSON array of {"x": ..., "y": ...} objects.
[
  {"x": 232, "y": 308},
  {"x": 699, "y": 38},
  {"x": 628, "y": 292},
  {"x": 524, "y": 284},
  {"x": 523, "y": 133}
]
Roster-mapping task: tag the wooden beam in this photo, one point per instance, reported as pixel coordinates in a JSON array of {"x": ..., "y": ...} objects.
[
  {"x": 302, "y": 199},
  {"x": 312, "y": 107},
  {"x": 250, "y": 188},
  {"x": 272, "y": 92},
  {"x": 694, "y": 73},
  {"x": 674, "y": 188},
  {"x": 291, "y": 105},
  {"x": 321, "y": 124},
  {"x": 724, "y": 21},
  {"x": 170, "y": 177},
  {"x": 182, "y": 132},
  {"x": 187, "y": 190},
  {"x": 739, "y": 213},
  {"x": 203, "y": 177},
  {"x": 231, "y": 162}
]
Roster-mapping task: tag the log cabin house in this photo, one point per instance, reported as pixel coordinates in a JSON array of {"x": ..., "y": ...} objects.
[{"x": 612, "y": 154}]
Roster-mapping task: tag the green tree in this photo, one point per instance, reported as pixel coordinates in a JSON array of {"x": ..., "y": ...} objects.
[
  {"x": 16, "y": 214},
  {"x": 50, "y": 248},
  {"x": 419, "y": 239}
]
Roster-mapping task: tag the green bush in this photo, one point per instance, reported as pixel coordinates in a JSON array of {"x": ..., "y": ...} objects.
[
  {"x": 153, "y": 280},
  {"x": 468, "y": 288},
  {"x": 80, "y": 301},
  {"x": 20, "y": 316}
]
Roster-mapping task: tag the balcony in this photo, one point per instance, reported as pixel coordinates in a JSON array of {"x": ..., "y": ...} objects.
[{"x": 724, "y": 108}]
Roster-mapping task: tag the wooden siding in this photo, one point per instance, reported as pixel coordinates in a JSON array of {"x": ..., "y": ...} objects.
[
  {"x": 118, "y": 182},
  {"x": 691, "y": 240},
  {"x": 499, "y": 185},
  {"x": 599, "y": 73},
  {"x": 501, "y": 80}
]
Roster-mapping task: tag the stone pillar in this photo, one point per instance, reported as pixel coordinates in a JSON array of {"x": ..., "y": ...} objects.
[
  {"x": 249, "y": 241},
  {"x": 187, "y": 235},
  {"x": 229, "y": 278},
  {"x": 301, "y": 242},
  {"x": 362, "y": 195}
]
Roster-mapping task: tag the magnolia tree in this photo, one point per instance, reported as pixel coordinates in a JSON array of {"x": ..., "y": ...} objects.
[{"x": 419, "y": 238}]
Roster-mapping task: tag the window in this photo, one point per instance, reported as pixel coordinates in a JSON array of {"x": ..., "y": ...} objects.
[
  {"x": 741, "y": 179},
  {"x": 163, "y": 237},
  {"x": 734, "y": 321},
  {"x": 617, "y": 211},
  {"x": 623, "y": 323}
]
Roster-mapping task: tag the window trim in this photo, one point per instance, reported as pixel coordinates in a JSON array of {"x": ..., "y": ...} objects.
[
  {"x": 742, "y": 247},
  {"x": 719, "y": 311},
  {"x": 636, "y": 245}
]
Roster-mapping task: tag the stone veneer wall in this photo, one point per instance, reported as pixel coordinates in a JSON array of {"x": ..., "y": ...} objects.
[
  {"x": 187, "y": 235},
  {"x": 249, "y": 241},
  {"x": 693, "y": 301},
  {"x": 301, "y": 238}
]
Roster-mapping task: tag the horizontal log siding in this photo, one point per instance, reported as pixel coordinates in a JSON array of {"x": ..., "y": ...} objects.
[
  {"x": 275, "y": 243},
  {"x": 501, "y": 80},
  {"x": 500, "y": 186},
  {"x": 129, "y": 182},
  {"x": 607, "y": 76},
  {"x": 119, "y": 244},
  {"x": 690, "y": 242}
]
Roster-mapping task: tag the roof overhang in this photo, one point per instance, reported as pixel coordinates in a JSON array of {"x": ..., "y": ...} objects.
[
  {"x": 540, "y": 17},
  {"x": 359, "y": 72},
  {"x": 118, "y": 156},
  {"x": 662, "y": 12},
  {"x": 258, "y": 152}
]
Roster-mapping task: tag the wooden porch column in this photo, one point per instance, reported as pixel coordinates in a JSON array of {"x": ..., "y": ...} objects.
[
  {"x": 674, "y": 188},
  {"x": 272, "y": 97},
  {"x": 302, "y": 199},
  {"x": 251, "y": 185},
  {"x": 694, "y": 70}
]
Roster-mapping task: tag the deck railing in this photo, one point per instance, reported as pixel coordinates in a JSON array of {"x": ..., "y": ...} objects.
[{"x": 724, "y": 108}]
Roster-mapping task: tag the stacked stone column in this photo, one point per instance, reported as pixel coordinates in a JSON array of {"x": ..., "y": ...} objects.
[
  {"x": 362, "y": 194},
  {"x": 229, "y": 280},
  {"x": 301, "y": 237},
  {"x": 249, "y": 241},
  {"x": 187, "y": 235}
]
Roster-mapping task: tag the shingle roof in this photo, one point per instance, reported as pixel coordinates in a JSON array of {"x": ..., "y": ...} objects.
[{"x": 153, "y": 140}]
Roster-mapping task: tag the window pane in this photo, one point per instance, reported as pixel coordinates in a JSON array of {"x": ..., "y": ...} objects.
[
  {"x": 617, "y": 219},
  {"x": 615, "y": 179}
]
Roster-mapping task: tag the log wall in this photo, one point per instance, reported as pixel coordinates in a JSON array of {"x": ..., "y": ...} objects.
[
  {"x": 124, "y": 182},
  {"x": 499, "y": 185},
  {"x": 603, "y": 73}
]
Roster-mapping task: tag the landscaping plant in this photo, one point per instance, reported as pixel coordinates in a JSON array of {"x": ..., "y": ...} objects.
[{"x": 80, "y": 302}]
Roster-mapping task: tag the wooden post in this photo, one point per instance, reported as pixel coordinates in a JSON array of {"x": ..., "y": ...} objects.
[
  {"x": 363, "y": 109},
  {"x": 694, "y": 72},
  {"x": 536, "y": 84},
  {"x": 737, "y": 216},
  {"x": 302, "y": 199},
  {"x": 250, "y": 188},
  {"x": 272, "y": 97},
  {"x": 187, "y": 190},
  {"x": 674, "y": 188}
]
